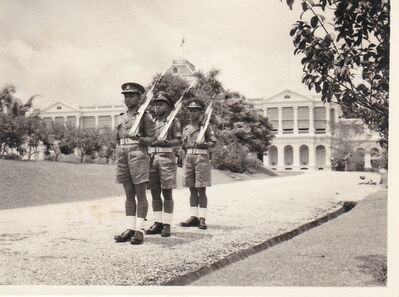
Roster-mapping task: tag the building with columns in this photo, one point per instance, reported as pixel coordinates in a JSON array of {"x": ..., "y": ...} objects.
[
  {"x": 102, "y": 117},
  {"x": 86, "y": 117},
  {"x": 305, "y": 130}
]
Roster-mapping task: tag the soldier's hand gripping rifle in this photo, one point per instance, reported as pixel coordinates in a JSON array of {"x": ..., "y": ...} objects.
[
  {"x": 162, "y": 136},
  {"x": 140, "y": 112},
  {"x": 204, "y": 126}
]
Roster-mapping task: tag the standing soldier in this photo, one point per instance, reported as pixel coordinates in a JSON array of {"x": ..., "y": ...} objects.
[
  {"x": 133, "y": 163},
  {"x": 197, "y": 167},
  {"x": 163, "y": 166}
]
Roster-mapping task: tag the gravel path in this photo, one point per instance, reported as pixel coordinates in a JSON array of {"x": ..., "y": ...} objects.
[
  {"x": 348, "y": 251},
  {"x": 71, "y": 243}
]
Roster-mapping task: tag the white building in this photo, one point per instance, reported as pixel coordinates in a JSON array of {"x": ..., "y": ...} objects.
[
  {"x": 304, "y": 129},
  {"x": 102, "y": 117}
]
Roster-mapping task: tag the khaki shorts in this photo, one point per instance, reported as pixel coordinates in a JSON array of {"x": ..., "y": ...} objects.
[
  {"x": 132, "y": 164},
  {"x": 163, "y": 171},
  {"x": 197, "y": 171}
]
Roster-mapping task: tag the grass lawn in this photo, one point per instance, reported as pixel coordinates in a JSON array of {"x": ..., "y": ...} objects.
[{"x": 30, "y": 183}]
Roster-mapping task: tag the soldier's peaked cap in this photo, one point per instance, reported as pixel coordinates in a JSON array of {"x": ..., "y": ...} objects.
[
  {"x": 131, "y": 87},
  {"x": 165, "y": 97},
  {"x": 196, "y": 104}
]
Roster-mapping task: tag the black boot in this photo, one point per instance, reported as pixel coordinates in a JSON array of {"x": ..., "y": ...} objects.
[
  {"x": 138, "y": 238},
  {"x": 156, "y": 228},
  {"x": 190, "y": 222},
  {"x": 202, "y": 224},
  {"x": 125, "y": 236},
  {"x": 166, "y": 230}
]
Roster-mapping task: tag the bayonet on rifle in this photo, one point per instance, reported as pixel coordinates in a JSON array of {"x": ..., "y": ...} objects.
[
  {"x": 172, "y": 115},
  {"x": 204, "y": 126},
  {"x": 140, "y": 112}
]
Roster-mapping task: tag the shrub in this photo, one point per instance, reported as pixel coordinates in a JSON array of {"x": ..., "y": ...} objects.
[{"x": 11, "y": 156}]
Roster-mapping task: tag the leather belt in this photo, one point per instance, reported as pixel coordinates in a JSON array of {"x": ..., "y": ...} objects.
[
  {"x": 197, "y": 151},
  {"x": 125, "y": 141},
  {"x": 157, "y": 149}
]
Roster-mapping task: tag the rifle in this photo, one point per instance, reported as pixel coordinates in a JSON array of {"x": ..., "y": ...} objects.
[
  {"x": 140, "y": 112},
  {"x": 207, "y": 115},
  {"x": 172, "y": 115}
]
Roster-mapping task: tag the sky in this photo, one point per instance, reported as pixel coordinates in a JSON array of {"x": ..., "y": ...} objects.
[{"x": 82, "y": 51}]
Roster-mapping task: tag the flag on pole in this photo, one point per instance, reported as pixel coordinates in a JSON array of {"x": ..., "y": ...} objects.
[{"x": 182, "y": 42}]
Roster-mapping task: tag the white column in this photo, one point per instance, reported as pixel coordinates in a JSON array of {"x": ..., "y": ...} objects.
[
  {"x": 280, "y": 156},
  {"x": 312, "y": 156},
  {"x": 328, "y": 126},
  {"x": 295, "y": 119},
  {"x": 77, "y": 121},
  {"x": 280, "y": 120},
  {"x": 311, "y": 120},
  {"x": 367, "y": 160},
  {"x": 96, "y": 121},
  {"x": 295, "y": 155},
  {"x": 65, "y": 121},
  {"x": 112, "y": 121}
]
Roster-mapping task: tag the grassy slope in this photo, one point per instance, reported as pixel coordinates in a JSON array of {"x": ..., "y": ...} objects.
[{"x": 30, "y": 183}]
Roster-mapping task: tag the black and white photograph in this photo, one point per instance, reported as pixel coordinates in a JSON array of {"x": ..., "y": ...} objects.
[{"x": 207, "y": 147}]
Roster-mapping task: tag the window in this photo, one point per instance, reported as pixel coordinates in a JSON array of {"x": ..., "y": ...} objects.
[
  {"x": 71, "y": 121},
  {"x": 332, "y": 120},
  {"x": 59, "y": 120},
  {"x": 104, "y": 122},
  {"x": 288, "y": 120},
  {"x": 88, "y": 123},
  {"x": 48, "y": 121},
  {"x": 319, "y": 120},
  {"x": 272, "y": 115},
  {"x": 59, "y": 107},
  {"x": 303, "y": 119}
]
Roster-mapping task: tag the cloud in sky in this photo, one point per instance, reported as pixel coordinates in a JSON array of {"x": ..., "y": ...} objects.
[{"x": 82, "y": 51}]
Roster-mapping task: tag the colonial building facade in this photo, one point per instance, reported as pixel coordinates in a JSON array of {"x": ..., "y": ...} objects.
[
  {"x": 102, "y": 117},
  {"x": 305, "y": 132}
]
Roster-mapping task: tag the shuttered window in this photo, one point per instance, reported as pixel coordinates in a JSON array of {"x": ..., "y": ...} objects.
[
  {"x": 332, "y": 120},
  {"x": 303, "y": 119},
  {"x": 48, "y": 121},
  {"x": 319, "y": 119},
  {"x": 88, "y": 123},
  {"x": 288, "y": 120},
  {"x": 104, "y": 122},
  {"x": 272, "y": 115},
  {"x": 71, "y": 121}
]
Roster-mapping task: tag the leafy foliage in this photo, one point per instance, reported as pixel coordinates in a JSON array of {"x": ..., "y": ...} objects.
[
  {"x": 15, "y": 123},
  {"x": 346, "y": 55}
]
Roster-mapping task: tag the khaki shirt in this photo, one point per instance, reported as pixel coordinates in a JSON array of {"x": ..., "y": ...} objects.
[
  {"x": 125, "y": 122},
  {"x": 174, "y": 131},
  {"x": 190, "y": 134}
]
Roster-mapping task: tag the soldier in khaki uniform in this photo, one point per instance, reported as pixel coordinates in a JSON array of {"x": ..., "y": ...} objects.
[
  {"x": 197, "y": 167},
  {"x": 163, "y": 166},
  {"x": 133, "y": 163}
]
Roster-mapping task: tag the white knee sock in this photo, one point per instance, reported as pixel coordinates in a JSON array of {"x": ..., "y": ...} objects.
[
  {"x": 158, "y": 216},
  {"x": 167, "y": 218},
  {"x": 202, "y": 212},
  {"x": 194, "y": 211},
  {"x": 131, "y": 222}
]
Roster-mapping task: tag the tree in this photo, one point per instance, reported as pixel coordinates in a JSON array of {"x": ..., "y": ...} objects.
[
  {"x": 60, "y": 139},
  {"x": 345, "y": 145},
  {"x": 346, "y": 56},
  {"x": 36, "y": 133},
  {"x": 87, "y": 142},
  {"x": 14, "y": 121},
  {"x": 108, "y": 146}
]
